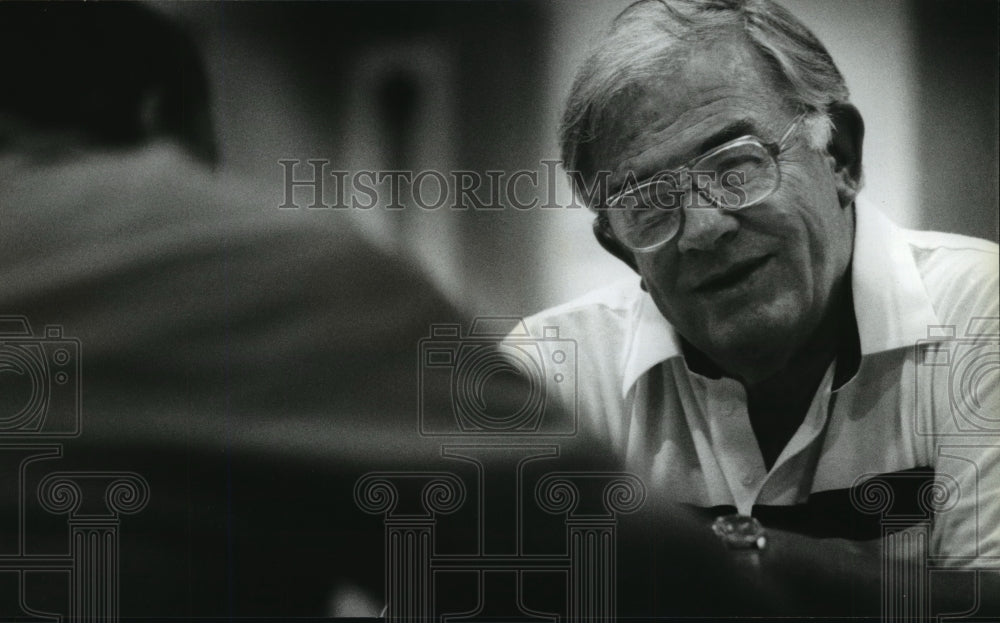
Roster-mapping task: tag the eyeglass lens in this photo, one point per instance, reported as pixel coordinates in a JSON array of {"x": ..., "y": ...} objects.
[{"x": 734, "y": 177}]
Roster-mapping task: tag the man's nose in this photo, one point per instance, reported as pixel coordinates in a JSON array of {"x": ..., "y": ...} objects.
[{"x": 704, "y": 228}]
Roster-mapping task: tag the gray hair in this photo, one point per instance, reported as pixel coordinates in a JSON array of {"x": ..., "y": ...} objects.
[{"x": 640, "y": 47}]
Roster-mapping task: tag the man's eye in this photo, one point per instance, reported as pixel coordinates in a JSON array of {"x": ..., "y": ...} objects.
[
  {"x": 627, "y": 201},
  {"x": 646, "y": 218},
  {"x": 741, "y": 162},
  {"x": 663, "y": 195},
  {"x": 733, "y": 178},
  {"x": 744, "y": 157}
]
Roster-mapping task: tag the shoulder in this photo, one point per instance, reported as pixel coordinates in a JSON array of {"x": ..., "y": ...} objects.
[
  {"x": 960, "y": 277},
  {"x": 951, "y": 249},
  {"x": 598, "y": 321},
  {"x": 617, "y": 300},
  {"x": 959, "y": 273},
  {"x": 588, "y": 338}
]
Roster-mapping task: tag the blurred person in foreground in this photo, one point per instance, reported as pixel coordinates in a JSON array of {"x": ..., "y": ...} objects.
[
  {"x": 782, "y": 363},
  {"x": 250, "y": 363}
]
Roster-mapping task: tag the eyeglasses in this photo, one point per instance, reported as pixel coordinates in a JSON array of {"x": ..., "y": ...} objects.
[{"x": 734, "y": 176}]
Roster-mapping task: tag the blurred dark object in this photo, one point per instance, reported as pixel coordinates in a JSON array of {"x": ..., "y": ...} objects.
[
  {"x": 956, "y": 47},
  {"x": 110, "y": 74},
  {"x": 250, "y": 363}
]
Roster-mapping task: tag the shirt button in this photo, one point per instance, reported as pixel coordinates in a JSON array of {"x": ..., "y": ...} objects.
[{"x": 748, "y": 480}]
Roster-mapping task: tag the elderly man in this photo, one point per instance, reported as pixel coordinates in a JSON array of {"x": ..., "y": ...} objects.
[{"x": 784, "y": 356}]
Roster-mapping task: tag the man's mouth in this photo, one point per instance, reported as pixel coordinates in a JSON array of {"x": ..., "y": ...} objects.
[{"x": 731, "y": 276}]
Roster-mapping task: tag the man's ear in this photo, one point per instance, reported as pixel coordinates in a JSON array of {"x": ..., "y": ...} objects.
[
  {"x": 604, "y": 235},
  {"x": 845, "y": 147}
]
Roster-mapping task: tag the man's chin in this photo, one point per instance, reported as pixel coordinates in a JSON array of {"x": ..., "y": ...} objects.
[{"x": 751, "y": 333}]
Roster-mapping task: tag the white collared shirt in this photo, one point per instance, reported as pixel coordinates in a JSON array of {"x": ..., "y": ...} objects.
[{"x": 919, "y": 298}]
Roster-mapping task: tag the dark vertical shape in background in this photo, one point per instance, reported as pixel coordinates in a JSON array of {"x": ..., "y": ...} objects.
[
  {"x": 500, "y": 58},
  {"x": 399, "y": 98},
  {"x": 957, "y": 65},
  {"x": 501, "y": 103}
]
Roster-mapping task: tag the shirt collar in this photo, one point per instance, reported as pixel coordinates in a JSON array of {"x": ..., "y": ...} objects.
[
  {"x": 890, "y": 303},
  {"x": 653, "y": 340}
]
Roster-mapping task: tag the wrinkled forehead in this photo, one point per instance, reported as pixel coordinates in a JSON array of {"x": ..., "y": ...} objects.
[{"x": 665, "y": 119}]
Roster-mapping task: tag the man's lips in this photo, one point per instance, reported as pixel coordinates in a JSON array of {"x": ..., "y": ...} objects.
[{"x": 730, "y": 276}]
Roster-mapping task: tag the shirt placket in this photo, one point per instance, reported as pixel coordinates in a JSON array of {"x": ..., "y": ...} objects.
[
  {"x": 735, "y": 446},
  {"x": 787, "y": 484},
  {"x": 733, "y": 440}
]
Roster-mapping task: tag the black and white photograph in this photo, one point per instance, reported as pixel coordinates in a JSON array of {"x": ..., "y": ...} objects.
[{"x": 500, "y": 310}]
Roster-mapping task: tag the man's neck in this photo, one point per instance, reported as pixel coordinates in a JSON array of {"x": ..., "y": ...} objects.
[
  {"x": 778, "y": 405},
  {"x": 775, "y": 371},
  {"x": 778, "y": 402},
  {"x": 805, "y": 366}
]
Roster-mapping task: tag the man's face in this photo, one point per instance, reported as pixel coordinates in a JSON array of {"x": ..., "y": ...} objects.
[{"x": 737, "y": 285}]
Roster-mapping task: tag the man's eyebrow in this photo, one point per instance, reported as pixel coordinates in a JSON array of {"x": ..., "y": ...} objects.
[{"x": 734, "y": 130}]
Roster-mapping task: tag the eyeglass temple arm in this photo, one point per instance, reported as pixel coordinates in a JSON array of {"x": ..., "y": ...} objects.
[
  {"x": 791, "y": 129},
  {"x": 602, "y": 231}
]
